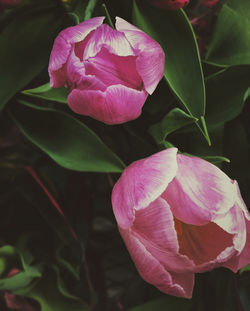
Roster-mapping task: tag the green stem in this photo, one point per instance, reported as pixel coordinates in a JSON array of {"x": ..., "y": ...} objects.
[
  {"x": 108, "y": 16},
  {"x": 205, "y": 130}
]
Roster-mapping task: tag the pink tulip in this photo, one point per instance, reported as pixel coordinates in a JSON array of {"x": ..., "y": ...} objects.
[
  {"x": 170, "y": 4},
  {"x": 209, "y": 3},
  {"x": 179, "y": 215},
  {"x": 108, "y": 72}
]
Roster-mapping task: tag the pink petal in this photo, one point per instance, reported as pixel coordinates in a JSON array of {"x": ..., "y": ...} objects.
[
  {"x": 151, "y": 58},
  {"x": 113, "y": 40},
  {"x": 154, "y": 227},
  {"x": 112, "y": 69},
  {"x": 233, "y": 222},
  {"x": 156, "y": 223},
  {"x": 244, "y": 258},
  {"x": 75, "y": 70},
  {"x": 63, "y": 45},
  {"x": 118, "y": 104},
  {"x": 237, "y": 221},
  {"x": 240, "y": 202},
  {"x": 199, "y": 192},
  {"x": 153, "y": 272},
  {"x": 141, "y": 183}
]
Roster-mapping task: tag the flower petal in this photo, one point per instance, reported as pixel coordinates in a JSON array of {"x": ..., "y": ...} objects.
[
  {"x": 233, "y": 222},
  {"x": 141, "y": 183},
  {"x": 153, "y": 272},
  {"x": 241, "y": 202},
  {"x": 117, "y": 105},
  {"x": 112, "y": 69},
  {"x": 156, "y": 223},
  {"x": 199, "y": 192},
  {"x": 244, "y": 258},
  {"x": 63, "y": 45},
  {"x": 151, "y": 58},
  {"x": 113, "y": 40}
]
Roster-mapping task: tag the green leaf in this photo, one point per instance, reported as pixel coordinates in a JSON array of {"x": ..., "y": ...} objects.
[
  {"x": 25, "y": 43},
  {"x": 46, "y": 92},
  {"x": 7, "y": 253},
  {"x": 73, "y": 269},
  {"x": 65, "y": 139},
  {"x": 46, "y": 292},
  {"x": 22, "y": 279},
  {"x": 183, "y": 71},
  {"x": 168, "y": 303},
  {"x": 226, "y": 92},
  {"x": 89, "y": 9},
  {"x": 174, "y": 120},
  {"x": 246, "y": 268},
  {"x": 230, "y": 43}
]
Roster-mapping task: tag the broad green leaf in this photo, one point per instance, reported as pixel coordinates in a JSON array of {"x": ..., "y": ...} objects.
[
  {"x": 230, "y": 43},
  {"x": 168, "y": 303},
  {"x": 25, "y": 43},
  {"x": 65, "y": 139},
  {"x": 226, "y": 92},
  {"x": 46, "y": 92},
  {"x": 174, "y": 120},
  {"x": 173, "y": 31}
]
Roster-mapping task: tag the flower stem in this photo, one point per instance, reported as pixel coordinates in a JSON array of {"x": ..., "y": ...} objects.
[{"x": 108, "y": 16}]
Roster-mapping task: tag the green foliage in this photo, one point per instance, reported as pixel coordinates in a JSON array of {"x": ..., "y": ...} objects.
[
  {"x": 51, "y": 297},
  {"x": 65, "y": 139},
  {"x": 27, "y": 275},
  {"x": 230, "y": 42},
  {"x": 224, "y": 102},
  {"x": 25, "y": 52},
  {"x": 46, "y": 92},
  {"x": 174, "y": 120},
  {"x": 183, "y": 70},
  {"x": 246, "y": 268},
  {"x": 74, "y": 259}
]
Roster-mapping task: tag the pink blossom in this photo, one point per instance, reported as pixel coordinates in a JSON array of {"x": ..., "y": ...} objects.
[
  {"x": 109, "y": 72},
  {"x": 170, "y": 4},
  {"x": 209, "y": 3},
  {"x": 179, "y": 215}
]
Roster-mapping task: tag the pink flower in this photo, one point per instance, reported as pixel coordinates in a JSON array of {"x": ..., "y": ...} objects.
[
  {"x": 108, "y": 72},
  {"x": 170, "y": 4},
  {"x": 209, "y": 3},
  {"x": 179, "y": 215}
]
